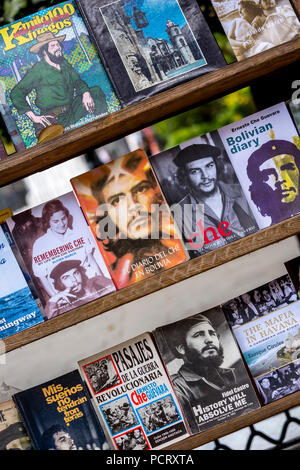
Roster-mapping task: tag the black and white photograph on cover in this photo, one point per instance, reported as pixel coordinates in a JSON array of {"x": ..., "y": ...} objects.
[
  {"x": 279, "y": 382},
  {"x": 102, "y": 374},
  {"x": 119, "y": 415},
  {"x": 158, "y": 414},
  {"x": 149, "y": 46},
  {"x": 132, "y": 440},
  {"x": 54, "y": 426},
  {"x": 293, "y": 268},
  {"x": 204, "y": 363},
  {"x": 153, "y": 38},
  {"x": 260, "y": 301},
  {"x": 61, "y": 255},
  {"x": 253, "y": 26},
  {"x": 206, "y": 199}
]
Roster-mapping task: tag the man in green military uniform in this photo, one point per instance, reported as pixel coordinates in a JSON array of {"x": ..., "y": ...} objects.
[{"x": 61, "y": 95}]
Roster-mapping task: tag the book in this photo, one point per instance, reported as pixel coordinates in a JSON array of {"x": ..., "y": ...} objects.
[
  {"x": 58, "y": 415},
  {"x": 264, "y": 149},
  {"x": 130, "y": 218},
  {"x": 133, "y": 396},
  {"x": 293, "y": 268},
  {"x": 51, "y": 75},
  {"x": 294, "y": 105},
  {"x": 13, "y": 436},
  {"x": 60, "y": 254},
  {"x": 255, "y": 26},
  {"x": 266, "y": 325},
  {"x": 18, "y": 308},
  {"x": 149, "y": 46},
  {"x": 4, "y": 214},
  {"x": 21, "y": 263},
  {"x": 206, "y": 369},
  {"x": 204, "y": 194}
]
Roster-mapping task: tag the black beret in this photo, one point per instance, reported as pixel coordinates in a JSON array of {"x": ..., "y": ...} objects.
[
  {"x": 63, "y": 267},
  {"x": 195, "y": 152}
]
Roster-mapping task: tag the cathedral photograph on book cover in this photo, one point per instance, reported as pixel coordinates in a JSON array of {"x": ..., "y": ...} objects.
[{"x": 153, "y": 39}]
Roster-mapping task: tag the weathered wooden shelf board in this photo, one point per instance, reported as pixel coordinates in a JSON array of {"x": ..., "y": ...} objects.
[{"x": 146, "y": 112}]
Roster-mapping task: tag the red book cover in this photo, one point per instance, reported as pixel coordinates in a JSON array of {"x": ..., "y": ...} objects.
[{"x": 130, "y": 218}]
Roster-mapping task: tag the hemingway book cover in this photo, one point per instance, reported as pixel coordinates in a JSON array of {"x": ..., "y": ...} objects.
[
  {"x": 133, "y": 396},
  {"x": 206, "y": 369},
  {"x": 264, "y": 149},
  {"x": 18, "y": 309},
  {"x": 266, "y": 324},
  {"x": 204, "y": 194},
  {"x": 12, "y": 433},
  {"x": 253, "y": 27},
  {"x": 58, "y": 415},
  {"x": 150, "y": 45},
  {"x": 130, "y": 219},
  {"x": 60, "y": 254},
  {"x": 51, "y": 74}
]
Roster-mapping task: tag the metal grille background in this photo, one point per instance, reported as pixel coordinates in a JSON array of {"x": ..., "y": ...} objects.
[{"x": 280, "y": 432}]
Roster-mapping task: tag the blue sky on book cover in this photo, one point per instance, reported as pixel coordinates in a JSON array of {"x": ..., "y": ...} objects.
[{"x": 18, "y": 309}]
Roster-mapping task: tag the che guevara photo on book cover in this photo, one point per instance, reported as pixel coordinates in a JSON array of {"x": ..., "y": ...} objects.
[{"x": 60, "y": 254}]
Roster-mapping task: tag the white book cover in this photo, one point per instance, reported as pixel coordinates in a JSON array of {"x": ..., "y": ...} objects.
[
  {"x": 133, "y": 397},
  {"x": 61, "y": 255},
  {"x": 264, "y": 149}
]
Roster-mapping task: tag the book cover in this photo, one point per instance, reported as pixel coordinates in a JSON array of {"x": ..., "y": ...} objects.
[
  {"x": 21, "y": 263},
  {"x": 13, "y": 436},
  {"x": 264, "y": 149},
  {"x": 5, "y": 214},
  {"x": 130, "y": 218},
  {"x": 149, "y": 46},
  {"x": 266, "y": 324},
  {"x": 206, "y": 369},
  {"x": 204, "y": 194},
  {"x": 133, "y": 396},
  {"x": 255, "y": 26},
  {"x": 51, "y": 75},
  {"x": 61, "y": 255},
  {"x": 18, "y": 309},
  {"x": 293, "y": 268},
  {"x": 58, "y": 415}
]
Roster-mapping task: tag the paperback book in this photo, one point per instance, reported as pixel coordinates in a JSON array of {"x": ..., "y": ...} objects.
[
  {"x": 149, "y": 45},
  {"x": 266, "y": 324},
  {"x": 204, "y": 194},
  {"x": 133, "y": 396},
  {"x": 206, "y": 369},
  {"x": 293, "y": 268},
  {"x": 61, "y": 255},
  {"x": 255, "y": 26},
  {"x": 21, "y": 263},
  {"x": 58, "y": 415},
  {"x": 13, "y": 436},
  {"x": 51, "y": 75},
  {"x": 129, "y": 218},
  {"x": 264, "y": 149},
  {"x": 18, "y": 308}
]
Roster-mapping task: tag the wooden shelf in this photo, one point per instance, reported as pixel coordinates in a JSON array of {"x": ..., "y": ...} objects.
[
  {"x": 238, "y": 423},
  {"x": 171, "y": 276},
  {"x": 146, "y": 112}
]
